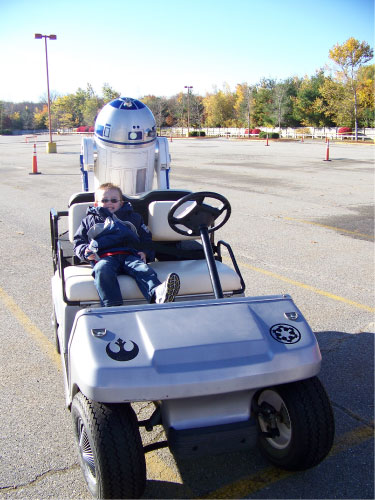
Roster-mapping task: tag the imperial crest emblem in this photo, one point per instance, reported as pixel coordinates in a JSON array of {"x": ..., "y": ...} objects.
[{"x": 286, "y": 334}]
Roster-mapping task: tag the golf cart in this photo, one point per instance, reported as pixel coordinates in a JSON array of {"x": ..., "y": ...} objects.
[{"x": 225, "y": 371}]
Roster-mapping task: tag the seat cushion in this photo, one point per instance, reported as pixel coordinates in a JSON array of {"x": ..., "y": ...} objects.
[
  {"x": 76, "y": 213},
  {"x": 194, "y": 277},
  {"x": 158, "y": 222}
]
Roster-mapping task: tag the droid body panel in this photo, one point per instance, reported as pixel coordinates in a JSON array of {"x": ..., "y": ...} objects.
[{"x": 125, "y": 149}]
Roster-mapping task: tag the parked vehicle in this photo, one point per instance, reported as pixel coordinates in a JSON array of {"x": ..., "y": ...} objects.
[{"x": 225, "y": 371}]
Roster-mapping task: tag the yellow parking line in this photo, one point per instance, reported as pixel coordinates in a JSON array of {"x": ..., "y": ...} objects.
[
  {"x": 160, "y": 470},
  {"x": 32, "y": 329},
  {"x": 306, "y": 287},
  {"x": 330, "y": 227},
  {"x": 245, "y": 487},
  {"x": 249, "y": 485},
  {"x": 158, "y": 467}
]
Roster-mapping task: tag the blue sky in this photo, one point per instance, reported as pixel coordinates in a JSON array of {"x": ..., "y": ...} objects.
[{"x": 157, "y": 47}]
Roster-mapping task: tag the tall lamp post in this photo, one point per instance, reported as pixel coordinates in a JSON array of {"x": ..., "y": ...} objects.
[
  {"x": 51, "y": 146},
  {"x": 188, "y": 87}
]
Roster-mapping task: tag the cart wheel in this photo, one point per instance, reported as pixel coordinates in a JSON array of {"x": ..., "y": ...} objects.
[
  {"x": 299, "y": 423},
  {"x": 110, "y": 448},
  {"x": 55, "y": 328}
]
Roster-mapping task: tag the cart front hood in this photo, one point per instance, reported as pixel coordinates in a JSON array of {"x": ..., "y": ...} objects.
[{"x": 188, "y": 349}]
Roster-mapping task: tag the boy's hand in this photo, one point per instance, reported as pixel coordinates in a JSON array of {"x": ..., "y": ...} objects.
[
  {"x": 89, "y": 255},
  {"x": 90, "y": 251},
  {"x": 142, "y": 255}
]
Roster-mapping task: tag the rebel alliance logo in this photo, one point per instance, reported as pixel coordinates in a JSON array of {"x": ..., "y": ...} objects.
[
  {"x": 286, "y": 334},
  {"x": 122, "y": 354}
]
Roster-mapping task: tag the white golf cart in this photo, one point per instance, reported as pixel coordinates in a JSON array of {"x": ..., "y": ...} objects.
[{"x": 225, "y": 371}]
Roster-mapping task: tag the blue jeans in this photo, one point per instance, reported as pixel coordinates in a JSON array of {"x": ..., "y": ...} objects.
[{"x": 105, "y": 274}]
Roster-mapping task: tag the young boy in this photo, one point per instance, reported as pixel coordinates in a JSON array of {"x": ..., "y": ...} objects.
[{"x": 106, "y": 238}]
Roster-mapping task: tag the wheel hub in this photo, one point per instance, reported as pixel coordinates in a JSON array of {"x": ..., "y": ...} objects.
[
  {"x": 86, "y": 450},
  {"x": 274, "y": 419}
]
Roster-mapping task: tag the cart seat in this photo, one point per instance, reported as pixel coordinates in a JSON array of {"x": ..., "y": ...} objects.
[{"x": 194, "y": 275}]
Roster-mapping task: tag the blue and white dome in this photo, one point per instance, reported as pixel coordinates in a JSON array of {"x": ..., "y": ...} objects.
[{"x": 125, "y": 122}]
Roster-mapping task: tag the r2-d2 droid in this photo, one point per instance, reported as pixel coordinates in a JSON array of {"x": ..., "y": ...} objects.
[{"x": 125, "y": 149}]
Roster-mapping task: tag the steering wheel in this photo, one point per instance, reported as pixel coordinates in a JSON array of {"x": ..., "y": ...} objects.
[{"x": 199, "y": 215}]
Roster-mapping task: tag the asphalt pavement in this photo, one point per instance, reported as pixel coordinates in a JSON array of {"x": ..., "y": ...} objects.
[{"x": 299, "y": 225}]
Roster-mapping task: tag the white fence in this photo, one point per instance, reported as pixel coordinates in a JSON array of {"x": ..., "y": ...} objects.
[{"x": 289, "y": 133}]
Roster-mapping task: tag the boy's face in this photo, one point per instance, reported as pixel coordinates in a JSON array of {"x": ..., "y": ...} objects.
[{"x": 109, "y": 199}]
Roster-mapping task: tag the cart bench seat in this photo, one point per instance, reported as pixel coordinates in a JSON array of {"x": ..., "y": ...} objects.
[
  {"x": 194, "y": 277},
  {"x": 194, "y": 274}
]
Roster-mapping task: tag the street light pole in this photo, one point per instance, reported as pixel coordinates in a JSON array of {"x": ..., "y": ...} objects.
[
  {"x": 248, "y": 110},
  {"x": 188, "y": 87},
  {"x": 51, "y": 146}
]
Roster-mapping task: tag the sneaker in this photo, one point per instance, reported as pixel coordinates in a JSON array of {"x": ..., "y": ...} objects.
[{"x": 167, "y": 291}]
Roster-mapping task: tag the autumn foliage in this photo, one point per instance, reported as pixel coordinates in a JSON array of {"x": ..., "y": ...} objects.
[{"x": 344, "y": 98}]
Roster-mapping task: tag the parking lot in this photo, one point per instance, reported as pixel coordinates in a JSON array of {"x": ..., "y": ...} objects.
[{"x": 300, "y": 225}]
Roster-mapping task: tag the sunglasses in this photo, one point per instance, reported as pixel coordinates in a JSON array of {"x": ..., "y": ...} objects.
[{"x": 112, "y": 200}]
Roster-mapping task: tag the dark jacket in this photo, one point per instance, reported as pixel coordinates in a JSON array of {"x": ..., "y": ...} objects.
[{"x": 122, "y": 231}]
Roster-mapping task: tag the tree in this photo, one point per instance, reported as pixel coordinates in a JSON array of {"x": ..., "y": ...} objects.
[
  {"x": 66, "y": 113},
  {"x": 41, "y": 118},
  {"x": 27, "y": 117},
  {"x": 74, "y": 110},
  {"x": 262, "y": 113},
  {"x": 310, "y": 107},
  {"x": 284, "y": 93},
  {"x": 16, "y": 120},
  {"x": 173, "y": 111},
  {"x": 243, "y": 104},
  {"x": 2, "y": 116},
  {"x": 91, "y": 109},
  {"x": 6, "y": 124},
  {"x": 108, "y": 93},
  {"x": 335, "y": 102},
  {"x": 196, "y": 111},
  {"x": 178, "y": 110},
  {"x": 79, "y": 100},
  {"x": 53, "y": 95},
  {"x": 366, "y": 101},
  {"x": 192, "y": 105},
  {"x": 157, "y": 106},
  {"x": 219, "y": 108},
  {"x": 350, "y": 56}
]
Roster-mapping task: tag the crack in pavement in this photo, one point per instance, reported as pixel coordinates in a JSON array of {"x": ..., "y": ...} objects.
[
  {"x": 38, "y": 478},
  {"x": 353, "y": 415}
]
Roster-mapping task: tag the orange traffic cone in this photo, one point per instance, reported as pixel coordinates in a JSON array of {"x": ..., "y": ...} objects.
[
  {"x": 35, "y": 163},
  {"x": 327, "y": 152}
]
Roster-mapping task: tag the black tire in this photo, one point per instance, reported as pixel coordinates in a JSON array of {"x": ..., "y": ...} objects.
[
  {"x": 305, "y": 421},
  {"x": 110, "y": 448}
]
